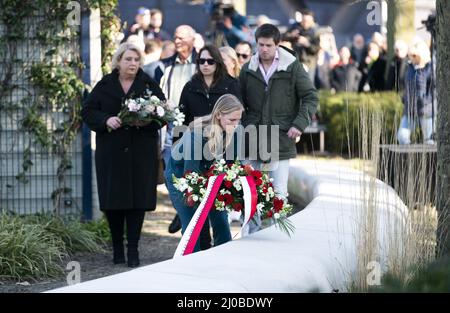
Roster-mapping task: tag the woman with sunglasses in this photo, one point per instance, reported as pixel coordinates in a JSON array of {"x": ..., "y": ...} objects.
[{"x": 210, "y": 82}]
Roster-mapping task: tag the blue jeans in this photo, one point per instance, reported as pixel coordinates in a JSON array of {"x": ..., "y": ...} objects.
[
  {"x": 408, "y": 126},
  {"x": 218, "y": 219}
]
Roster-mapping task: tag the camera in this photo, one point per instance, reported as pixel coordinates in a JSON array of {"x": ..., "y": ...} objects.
[
  {"x": 220, "y": 10},
  {"x": 430, "y": 23}
]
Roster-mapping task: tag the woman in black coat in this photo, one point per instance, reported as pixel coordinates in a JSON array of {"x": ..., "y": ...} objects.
[
  {"x": 198, "y": 97},
  {"x": 210, "y": 82},
  {"x": 126, "y": 157}
]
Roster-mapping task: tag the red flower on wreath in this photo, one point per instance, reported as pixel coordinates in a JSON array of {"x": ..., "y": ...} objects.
[
  {"x": 228, "y": 199},
  {"x": 256, "y": 174},
  {"x": 278, "y": 204},
  {"x": 228, "y": 184},
  {"x": 238, "y": 207},
  {"x": 190, "y": 201}
]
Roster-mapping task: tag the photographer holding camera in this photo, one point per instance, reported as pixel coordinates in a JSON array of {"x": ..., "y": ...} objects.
[{"x": 228, "y": 26}]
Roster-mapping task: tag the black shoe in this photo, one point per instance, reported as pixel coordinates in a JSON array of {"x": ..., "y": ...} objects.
[
  {"x": 133, "y": 257},
  {"x": 175, "y": 225},
  {"x": 118, "y": 255}
]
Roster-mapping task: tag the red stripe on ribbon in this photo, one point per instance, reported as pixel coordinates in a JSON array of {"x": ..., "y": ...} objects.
[
  {"x": 204, "y": 215},
  {"x": 254, "y": 195}
]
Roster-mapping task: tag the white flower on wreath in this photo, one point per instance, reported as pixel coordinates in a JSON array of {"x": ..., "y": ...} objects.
[
  {"x": 181, "y": 185},
  {"x": 195, "y": 198},
  {"x": 231, "y": 175},
  {"x": 219, "y": 205},
  {"x": 260, "y": 207},
  {"x": 237, "y": 185},
  {"x": 190, "y": 189},
  {"x": 276, "y": 216}
]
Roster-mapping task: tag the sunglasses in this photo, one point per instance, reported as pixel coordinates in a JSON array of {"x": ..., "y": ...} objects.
[
  {"x": 209, "y": 61},
  {"x": 244, "y": 56}
]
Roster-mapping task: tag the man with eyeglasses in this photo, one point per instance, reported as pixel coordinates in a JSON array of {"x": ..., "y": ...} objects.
[
  {"x": 243, "y": 52},
  {"x": 177, "y": 70}
]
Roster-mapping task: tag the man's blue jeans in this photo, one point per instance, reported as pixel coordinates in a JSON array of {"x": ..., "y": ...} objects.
[{"x": 408, "y": 126}]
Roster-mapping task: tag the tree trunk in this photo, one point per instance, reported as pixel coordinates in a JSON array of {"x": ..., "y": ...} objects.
[
  {"x": 391, "y": 32},
  {"x": 443, "y": 124},
  {"x": 405, "y": 20},
  {"x": 400, "y": 24}
]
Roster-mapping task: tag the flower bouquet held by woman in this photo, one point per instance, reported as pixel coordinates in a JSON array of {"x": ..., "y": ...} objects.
[{"x": 147, "y": 108}]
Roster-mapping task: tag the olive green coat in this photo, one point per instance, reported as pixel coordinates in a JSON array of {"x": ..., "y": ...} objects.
[{"x": 289, "y": 100}]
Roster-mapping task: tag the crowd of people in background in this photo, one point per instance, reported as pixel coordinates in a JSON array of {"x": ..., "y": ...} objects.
[{"x": 360, "y": 66}]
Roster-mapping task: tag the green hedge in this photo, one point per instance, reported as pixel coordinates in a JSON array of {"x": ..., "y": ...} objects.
[
  {"x": 341, "y": 113},
  {"x": 434, "y": 278}
]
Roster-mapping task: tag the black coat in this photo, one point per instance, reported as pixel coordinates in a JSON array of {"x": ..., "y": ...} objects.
[
  {"x": 396, "y": 74},
  {"x": 196, "y": 100},
  {"x": 376, "y": 79},
  {"x": 126, "y": 158},
  {"x": 345, "y": 78}
]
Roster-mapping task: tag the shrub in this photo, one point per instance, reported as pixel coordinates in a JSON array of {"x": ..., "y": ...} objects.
[
  {"x": 28, "y": 251},
  {"x": 100, "y": 228},
  {"x": 434, "y": 278},
  {"x": 76, "y": 237},
  {"x": 342, "y": 113},
  {"x": 34, "y": 247}
]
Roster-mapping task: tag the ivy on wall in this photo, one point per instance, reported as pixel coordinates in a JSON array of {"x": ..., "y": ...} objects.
[{"x": 50, "y": 112}]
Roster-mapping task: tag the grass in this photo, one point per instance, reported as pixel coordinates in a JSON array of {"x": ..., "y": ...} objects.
[
  {"x": 407, "y": 239},
  {"x": 100, "y": 228},
  {"x": 28, "y": 251},
  {"x": 35, "y": 247},
  {"x": 435, "y": 277}
]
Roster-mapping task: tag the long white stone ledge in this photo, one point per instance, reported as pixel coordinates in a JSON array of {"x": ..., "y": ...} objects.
[{"x": 320, "y": 256}]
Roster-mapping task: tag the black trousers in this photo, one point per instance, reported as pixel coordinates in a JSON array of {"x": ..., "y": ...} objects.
[{"x": 133, "y": 219}]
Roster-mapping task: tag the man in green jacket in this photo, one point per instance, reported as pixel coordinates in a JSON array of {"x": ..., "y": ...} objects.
[{"x": 278, "y": 93}]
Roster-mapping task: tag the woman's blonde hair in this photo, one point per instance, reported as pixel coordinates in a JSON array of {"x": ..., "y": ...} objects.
[
  {"x": 228, "y": 51},
  {"x": 421, "y": 49},
  {"x": 124, "y": 48},
  {"x": 226, "y": 104}
]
